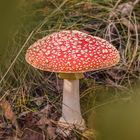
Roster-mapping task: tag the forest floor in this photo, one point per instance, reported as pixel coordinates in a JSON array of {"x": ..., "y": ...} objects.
[{"x": 31, "y": 100}]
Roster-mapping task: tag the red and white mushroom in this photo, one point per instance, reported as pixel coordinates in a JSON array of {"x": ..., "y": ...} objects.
[{"x": 72, "y": 52}]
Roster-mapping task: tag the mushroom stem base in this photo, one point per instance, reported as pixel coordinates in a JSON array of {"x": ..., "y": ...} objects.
[
  {"x": 80, "y": 125},
  {"x": 66, "y": 128}
]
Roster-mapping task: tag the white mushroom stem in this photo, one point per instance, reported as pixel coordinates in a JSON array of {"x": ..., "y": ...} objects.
[{"x": 71, "y": 113}]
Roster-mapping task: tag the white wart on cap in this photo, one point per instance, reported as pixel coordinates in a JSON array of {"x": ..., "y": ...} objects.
[{"x": 72, "y": 51}]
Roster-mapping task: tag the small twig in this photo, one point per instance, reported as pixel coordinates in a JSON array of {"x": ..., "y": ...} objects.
[
  {"x": 129, "y": 25},
  {"x": 135, "y": 2}
]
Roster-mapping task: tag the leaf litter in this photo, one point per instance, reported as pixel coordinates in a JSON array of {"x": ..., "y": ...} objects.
[{"x": 38, "y": 125}]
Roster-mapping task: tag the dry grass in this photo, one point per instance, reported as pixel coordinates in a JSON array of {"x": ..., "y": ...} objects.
[{"x": 29, "y": 90}]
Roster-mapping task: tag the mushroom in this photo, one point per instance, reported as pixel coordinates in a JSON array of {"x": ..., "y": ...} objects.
[{"x": 71, "y": 53}]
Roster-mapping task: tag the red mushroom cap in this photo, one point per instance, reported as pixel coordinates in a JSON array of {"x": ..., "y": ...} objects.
[{"x": 72, "y": 51}]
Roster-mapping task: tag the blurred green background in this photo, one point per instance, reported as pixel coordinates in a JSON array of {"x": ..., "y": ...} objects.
[{"x": 110, "y": 98}]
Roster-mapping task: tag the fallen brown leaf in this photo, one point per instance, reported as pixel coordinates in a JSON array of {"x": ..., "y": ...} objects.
[
  {"x": 124, "y": 9},
  {"x": 30, "y": 134},
  {"x": 51, "y": 132},
  {"x": 7, "y": 110}
]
